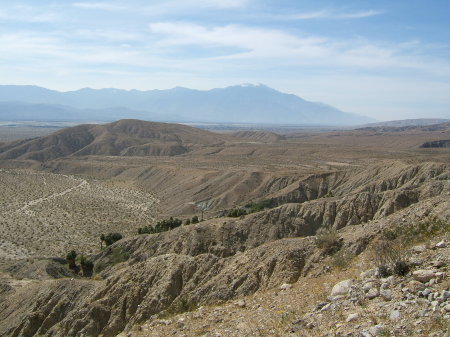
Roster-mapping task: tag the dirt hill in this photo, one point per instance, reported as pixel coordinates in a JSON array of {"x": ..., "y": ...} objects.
[{"x": 121, "y": 138}]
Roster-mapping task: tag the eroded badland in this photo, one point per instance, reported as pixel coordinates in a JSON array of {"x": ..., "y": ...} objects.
[{"x": 329, "y": 200}]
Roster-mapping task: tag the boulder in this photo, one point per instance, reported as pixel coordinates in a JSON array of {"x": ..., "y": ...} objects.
[
  {"x": 342, "y": 288},
  {"x": 423, "y": 275}
]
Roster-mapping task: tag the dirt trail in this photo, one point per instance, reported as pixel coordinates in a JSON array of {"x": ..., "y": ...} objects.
[{"x": 31, "y": 203}]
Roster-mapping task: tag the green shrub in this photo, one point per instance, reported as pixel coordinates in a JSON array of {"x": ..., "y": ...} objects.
[
  {"x": 110, "y": 238},
  {"x": 327, "y": 239},
  {"x": 195, "y": 219},
  {"x": 410, "y": 234},
  {"x": 236, "y": 213},
  {"x": 161, "y": 226},
  {"x": 70, "y": 257},
  {"x": 342, "y": 258},
  {"x": 87, "y": 266},
  {"x": 259, "y": 206}
]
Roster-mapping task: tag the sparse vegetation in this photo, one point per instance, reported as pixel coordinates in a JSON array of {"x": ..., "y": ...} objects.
[
  {"x": 162, "y": 226},
  {"x": 259, "y": 206},
  {"x": 87, "y": 266},
  {"x": 410, "y": 234},
  {"x": 110, "y": 238},
  {"x": 342, "y": 259},
  {"x": 71, "y": 258},
  {"x": 390, "y": 257},
  {"x": 236, "y": 213},
  {"x": 327, "y": 239}
]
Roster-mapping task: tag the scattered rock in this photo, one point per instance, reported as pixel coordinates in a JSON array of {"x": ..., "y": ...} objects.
[
  {"x": 376, "y": 330},
  {"x": 352, "y": 317},
  {"x": 372, "y": 293},
  {"x": 419, "y": 248},
  {"x": 441, "y": 244},
  {"x": 342, "y": 288},
  {"x": 285, "y": 286},
  {"x": 386, "y": 294},
  {"x": 415, "y": 286},
  {"x": 423, "y": 275},
  {"x": 241, "y": 304},
  {"x": 395, "y": 315}
]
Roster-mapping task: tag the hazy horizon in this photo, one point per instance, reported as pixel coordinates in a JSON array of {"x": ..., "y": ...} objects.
[{"x": 384, "y": 60}]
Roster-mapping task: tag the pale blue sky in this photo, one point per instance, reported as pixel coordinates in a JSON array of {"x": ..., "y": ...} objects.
[{"x": 385, "y": 59}]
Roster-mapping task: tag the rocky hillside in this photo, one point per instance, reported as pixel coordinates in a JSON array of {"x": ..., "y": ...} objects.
[
  {"x": 121, "y": 138},
  {"x": 144, "y": 278}
]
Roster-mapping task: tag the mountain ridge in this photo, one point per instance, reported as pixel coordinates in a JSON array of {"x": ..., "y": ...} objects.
[
  {"x": 126, "y": 137},
  {"x": 234, "y": 104}
]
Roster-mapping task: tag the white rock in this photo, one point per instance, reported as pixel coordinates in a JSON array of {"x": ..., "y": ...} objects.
[
  {"x": 341, "y": 288},
  {"x": 423, "y": 275},
  {"x": 285, "y": 286},
  {"x": 435, "y": 305},
  {"x": 372, "y": 293},
  {"x": 446, "y": 308},
  {"x": 441, "y": 244},
  {"x": 352, "y": 317},
  {"x": 386, "y": 294},
  {"x": 419, "y": 248},
  {"x": 241, "y": 304},
  {"x": 394, "y": 315},
  {"x": 376, "y": 330}
]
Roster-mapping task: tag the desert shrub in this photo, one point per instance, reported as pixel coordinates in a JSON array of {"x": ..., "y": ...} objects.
[
  {"x": 181, "y": 305},
  {"x": 161, "y": 226},
  {"x": 390, "y": 257},
  {"x": 195, "y": 219},
  {"x": 87, "y": 266},
  {"x": 409, "y": 234},
  {"x": 327, "y": 239},
  {"x": 70, "y": 257},
  {"x": 259, "y": 206},
  {"x": 236, "y": 213},
  {"x": 187, "y": 222},
  {"x": 342, "y": 258},
  {"x": 167, "y": 224},
  {"x": 401, "y": 268},
  {"x": 110, "y": 238}
]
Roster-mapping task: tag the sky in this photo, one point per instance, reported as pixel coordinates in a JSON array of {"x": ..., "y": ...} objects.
[{"x": 384, "y": 59}]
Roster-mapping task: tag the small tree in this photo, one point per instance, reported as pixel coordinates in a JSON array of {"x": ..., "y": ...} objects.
[
  {"x": 195, "y": 219},
  {"x": 71, "y": 256},
  {"x": 187, "y": 222},
  {"x": 87, "y": 266},
  {"x": 110, "y": 238}
]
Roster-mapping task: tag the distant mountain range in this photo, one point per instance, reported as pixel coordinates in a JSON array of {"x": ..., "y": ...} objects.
[
  {"x": 409, "y": 122},
  {"x": 236, "y": 104}
]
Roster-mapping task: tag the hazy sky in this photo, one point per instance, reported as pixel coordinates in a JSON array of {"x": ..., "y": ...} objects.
[{"x": 388, "y": 59}]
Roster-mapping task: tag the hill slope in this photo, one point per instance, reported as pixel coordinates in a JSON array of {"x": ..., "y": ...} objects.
[
  {"x": 236, "y": 104},
  {"x": 121, "y": 138}
]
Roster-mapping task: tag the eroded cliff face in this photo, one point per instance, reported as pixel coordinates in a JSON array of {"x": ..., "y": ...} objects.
[{"x": 223, "y": 258}]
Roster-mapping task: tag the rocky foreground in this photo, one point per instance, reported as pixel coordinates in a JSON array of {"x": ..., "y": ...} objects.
[{"x": 417, "y": 304}]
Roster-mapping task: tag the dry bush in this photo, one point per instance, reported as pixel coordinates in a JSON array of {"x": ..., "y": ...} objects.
[
  {"x": 390, "y": 257},
  {"x": 327, "y": 239}
]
